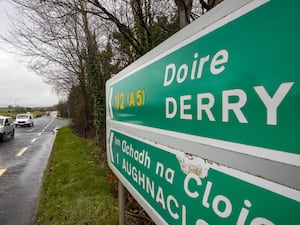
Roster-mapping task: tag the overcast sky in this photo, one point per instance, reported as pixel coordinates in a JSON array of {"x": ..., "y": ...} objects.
[{"x": 18, "y": 85}]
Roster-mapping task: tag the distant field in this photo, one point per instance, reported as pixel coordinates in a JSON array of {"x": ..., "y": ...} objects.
[
  {"x": 7, "y": 112},
  {"x": 4, "y": 109},
  {"x": 12, "y": 113}
]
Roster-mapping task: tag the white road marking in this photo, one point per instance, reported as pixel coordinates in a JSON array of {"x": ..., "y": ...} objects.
[
  {"x": 31, "y": 129},
  {"x": 2, "y": 171},
  {"x": 22, "y": 151}
]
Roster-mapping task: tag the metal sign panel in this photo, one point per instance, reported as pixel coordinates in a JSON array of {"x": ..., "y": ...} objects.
[
  {"x": 238, "y": 78},
  {"x": 226, "y": 90},
  {"x": 178, "y": 188}
]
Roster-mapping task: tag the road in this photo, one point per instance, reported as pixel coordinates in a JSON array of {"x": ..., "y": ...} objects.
[{"x": 23, "y": 160}]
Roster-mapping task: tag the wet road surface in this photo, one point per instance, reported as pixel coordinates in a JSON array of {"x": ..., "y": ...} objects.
[{"x": 23, "y": 160}]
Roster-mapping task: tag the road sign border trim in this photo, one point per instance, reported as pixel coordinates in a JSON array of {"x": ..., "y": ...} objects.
[{"x": 260, "y": 152}]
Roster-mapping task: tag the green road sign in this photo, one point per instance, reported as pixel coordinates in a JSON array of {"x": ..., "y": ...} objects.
[
  {"x": 204, "y": 129},
  {"x": 237, "y": 80},
  {"x": 178, "y": 188}
]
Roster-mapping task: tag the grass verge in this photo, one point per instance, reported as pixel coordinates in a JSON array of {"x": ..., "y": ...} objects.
[{"x": 75, "y": 188}]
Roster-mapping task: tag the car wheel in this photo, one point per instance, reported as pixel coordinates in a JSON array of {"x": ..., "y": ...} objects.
[
  {"x": 1, "y": 138},
  {"x": 4, "y": 137}
]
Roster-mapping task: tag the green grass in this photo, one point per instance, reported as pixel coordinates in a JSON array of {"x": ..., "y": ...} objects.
[{"x": 75, "y": 188}]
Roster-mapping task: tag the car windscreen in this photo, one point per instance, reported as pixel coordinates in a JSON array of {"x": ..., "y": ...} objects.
[
  {"x": 1, "y": 122},
  {"x": 22, "y": 116}
]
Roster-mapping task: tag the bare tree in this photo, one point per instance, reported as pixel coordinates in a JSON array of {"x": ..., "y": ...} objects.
[
  {"x": 136, "y": 21},
  {"x": 184, "y": 11},
  {"x": 209, "y": 4},
  {"x": 51, "y": 36},
  {"x": 185, "y": 7},
  {"x": 48, "y": 44},
  {"x": 66, "y": 40}
]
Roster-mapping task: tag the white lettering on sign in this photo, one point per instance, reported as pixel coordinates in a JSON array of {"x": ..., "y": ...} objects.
[
  {"x": 185, "y": 106},
  {"x": 156, "y": 192},
  {"x": 168, "y": 173},
  {"x": 140, "y": 156},
  {"x": 216, "y": 66},
  {"x": 182, "y": 106},
  {"x": 214, "y": 202},
  {"x": 155, "y": 180},
  {"x": 235, "y": 107},
  {"x": 171, "y": 113},
  {"x": 273, "y": 103},
  {"x": 205, "y": 107},
  {"x": 218, "y": 61},
  {"x": 221, "y": 205}
]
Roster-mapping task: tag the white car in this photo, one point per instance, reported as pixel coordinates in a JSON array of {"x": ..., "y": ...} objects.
[
  {"x": 24, "y": 120},
  {"x": 6, "y": 127}
]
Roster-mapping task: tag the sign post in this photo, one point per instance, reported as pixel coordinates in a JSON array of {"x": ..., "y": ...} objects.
[
  {"x": 121, "y": 197},
  {"x": 204, "y": 129}
]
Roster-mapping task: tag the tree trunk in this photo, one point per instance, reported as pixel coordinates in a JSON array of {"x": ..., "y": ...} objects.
[
  {"x": 184, "y": 11},
  {"x": 95, "y": 79}
]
